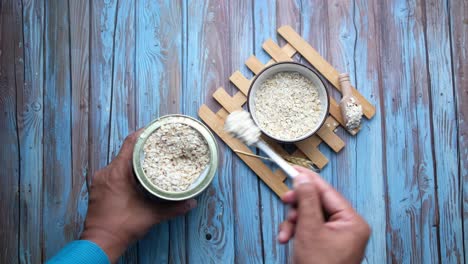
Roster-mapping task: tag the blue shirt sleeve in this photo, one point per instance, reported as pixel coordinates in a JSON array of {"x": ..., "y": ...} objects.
[{"x": 80, "y": 252}]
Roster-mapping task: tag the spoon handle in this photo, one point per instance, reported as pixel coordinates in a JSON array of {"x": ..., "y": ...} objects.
[{"x": 290, "y": 170}]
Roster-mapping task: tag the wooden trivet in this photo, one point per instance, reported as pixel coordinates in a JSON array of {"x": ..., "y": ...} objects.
[{"x": 307, "y": 148}]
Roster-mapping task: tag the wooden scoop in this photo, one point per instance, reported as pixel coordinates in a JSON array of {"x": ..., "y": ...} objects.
[{"x": 347, "y": 98}]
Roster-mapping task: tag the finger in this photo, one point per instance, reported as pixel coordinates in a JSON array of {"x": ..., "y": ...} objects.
[
  {"x": 286, "y": 232},
  {"x": 171, "y": 210},
  {"x": 289, "y": 197},
  {"x": 332, "y": 201},
  {"x": 292, "y": 215},
  {"x": 126, "y": 151},
  {"x": 308, "y": 202}
]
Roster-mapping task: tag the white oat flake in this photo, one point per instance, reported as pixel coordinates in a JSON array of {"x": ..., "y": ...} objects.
[
  {"x": 175, "y": 156},
  {"x": 287, "y": 105},
  {"x": 353, "y": 114}
]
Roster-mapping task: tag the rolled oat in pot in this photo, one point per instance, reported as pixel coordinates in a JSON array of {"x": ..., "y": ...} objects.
[{"x": 174, "y": 157}]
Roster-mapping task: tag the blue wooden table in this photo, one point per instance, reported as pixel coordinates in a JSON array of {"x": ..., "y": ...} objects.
[{"x": 77, "y": 76}]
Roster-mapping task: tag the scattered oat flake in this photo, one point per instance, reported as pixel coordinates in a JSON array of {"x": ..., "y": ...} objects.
[
  {"x": 175, "y": 156},
  {"x": 287, "y": 105}
]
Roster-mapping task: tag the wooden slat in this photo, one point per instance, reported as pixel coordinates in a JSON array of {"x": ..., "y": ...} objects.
[
  {"x": 254, "y": 64},
  {"x": 314, "y": 58},
  {"x": 30, "y": 107},
  {"x": 122, "y": 121},
  {"x": 246, "y": 191},
  {"x": 411, "y": 196},
  {"x": 459, "y": 43},
  {"x": 101, "y": 61},
  {"x": 370, "y": 142},
  {"x": 238, "y": 79},
  {"x": 222, "y": 113},
  {"x": 314, "y": 154},
  {"x": 57, "y": 186},
  {"x": 207, "y": 36},
  {"x": 332, "y": 139},
  {"x": 157, "y": 27},
  {"x": 267, "y": 176},
  {"x": 79, "y": 45},
  {"x": 444, "y": 108},
  {"x": 10, "y": 37},
  {"x": 275, "y": 51},
  {"x": 229, "y": 103},
  {"x": 280, "y": 174}
]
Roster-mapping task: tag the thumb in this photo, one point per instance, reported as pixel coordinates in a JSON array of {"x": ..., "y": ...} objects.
[{"x": 309, "y": 208}]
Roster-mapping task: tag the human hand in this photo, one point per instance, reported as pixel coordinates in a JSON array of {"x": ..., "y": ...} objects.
[
  {"x": 339, "y": 236},
  {"x": 119, "y": 214}
]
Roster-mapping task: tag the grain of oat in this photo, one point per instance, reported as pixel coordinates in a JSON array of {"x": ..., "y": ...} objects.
[
  {"x": 174, "y": 157},
  {"x": 287, "y": 105},
  {"x": 353, "y": 114}
]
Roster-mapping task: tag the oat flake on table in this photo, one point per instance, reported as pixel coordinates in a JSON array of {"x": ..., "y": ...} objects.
[
  {"x": 287, "y": 105},
  {"x": 175, "y": 156}
]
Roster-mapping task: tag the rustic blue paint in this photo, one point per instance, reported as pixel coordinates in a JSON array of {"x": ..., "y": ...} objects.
[
  {"x": 370, "y": 199},
  {"x": 444, "y": 128},
  {"x": 57, "y": 220},
  {"x": 271, "y": 209},
  {"x": 341, "y": 54},
  {"x": 30, "y": 128},
  {"x": 10, "y": 40},
  {"x": 314, "y": 16},
  {"x": 247, "y": 225},
  {"x": 457, "y": 11},
  {"x": 210, "y": 226},
  {"x": 149, "y": 75},
  {"x": 122, "y": 111},
  {"x": 409, "y": 172},
  {"x": 90, "y": 72},
  {"x": 79, "y": 67},
  {"x": 103, "y": 17}
]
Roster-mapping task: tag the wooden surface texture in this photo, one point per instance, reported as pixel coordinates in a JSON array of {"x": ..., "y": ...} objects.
[{"x": 76, "y": 76}]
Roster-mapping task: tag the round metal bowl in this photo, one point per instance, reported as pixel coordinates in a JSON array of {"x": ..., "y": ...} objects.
[
  {"x": 203, "y": 180},
  {"x": 290, "y": 67}
]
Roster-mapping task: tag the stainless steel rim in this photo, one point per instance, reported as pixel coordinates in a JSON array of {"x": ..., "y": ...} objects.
[
  {"x": 203, "y": 183},
  {"x": 312, "y": 132}
]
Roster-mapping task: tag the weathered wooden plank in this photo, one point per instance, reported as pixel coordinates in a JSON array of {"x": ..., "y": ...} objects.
[
  {"x": 103, "y": 17},
  {"x": 178, "y": 233},
  {"x": 211, "y": 226},
  {"x": 122, "y": 111},
  {"x": 30, "y": 92},
  {"x": 247, "y": 221},
  {"x": 79, "y": 48},
  {"x": 158, "y": 85},
  {"x": 411, "y": 205},
  {"x": 370, "y": 199},
  {"x": 58, "y": 185},
  {"x": 452, "y": 105},
  {"x": 459, "y": 52},
  {"x": 10, "y": 40},
  {"x": 341, "y": 36},
  {"x": 271, "y": 209}
]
